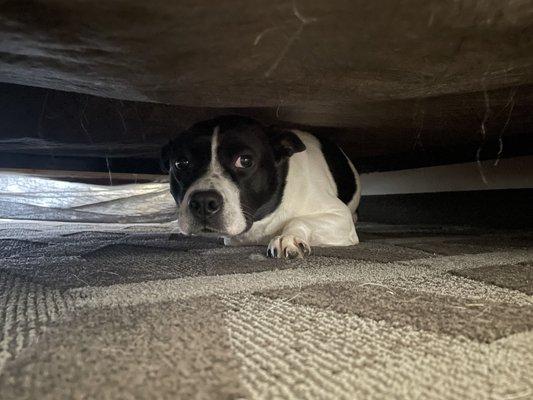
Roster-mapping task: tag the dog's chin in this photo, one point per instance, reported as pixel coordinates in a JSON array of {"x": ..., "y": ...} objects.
[
  {"x": 202, "y": 231},
  {"x": 227, "y": 233},
  {"x": 207, "y": 231},
  {"x": 195, "y": 228},
  {"x": 190, "y": 227}
]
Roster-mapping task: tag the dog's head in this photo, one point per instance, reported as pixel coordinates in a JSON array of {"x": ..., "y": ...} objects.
[{"x": 227, "y": 173}]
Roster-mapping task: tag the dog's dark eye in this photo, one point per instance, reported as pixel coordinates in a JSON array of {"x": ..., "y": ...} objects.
[
  {"x": 244, "y": 161},
  {"x": 181, "y": 164}
]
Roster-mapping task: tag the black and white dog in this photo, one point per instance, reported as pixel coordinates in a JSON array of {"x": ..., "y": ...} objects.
[{"x": 253, "y": 184}]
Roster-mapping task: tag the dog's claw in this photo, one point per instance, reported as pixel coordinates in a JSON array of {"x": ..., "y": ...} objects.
[
  {"x": 290, "y": 254},
  {"x": 288, "y": 246},
  {"x": 304, "y": 247}
]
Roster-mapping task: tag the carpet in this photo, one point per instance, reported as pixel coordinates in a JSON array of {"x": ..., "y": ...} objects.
[{"x": 92, "y": 311}]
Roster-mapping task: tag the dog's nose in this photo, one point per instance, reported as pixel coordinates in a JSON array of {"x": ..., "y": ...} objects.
[{"x": 205, "y": 204}]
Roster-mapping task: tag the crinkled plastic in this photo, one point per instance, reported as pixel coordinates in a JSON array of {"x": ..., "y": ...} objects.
[{"x": 29, "y": 197}]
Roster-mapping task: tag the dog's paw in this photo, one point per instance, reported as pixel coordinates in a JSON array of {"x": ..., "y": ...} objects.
[{"x": 288, "y": 246}]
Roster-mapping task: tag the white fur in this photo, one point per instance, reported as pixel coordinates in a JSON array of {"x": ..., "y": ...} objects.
[
  {"x": 232, "y": 217},
  {"x": 310, "y": 209}
]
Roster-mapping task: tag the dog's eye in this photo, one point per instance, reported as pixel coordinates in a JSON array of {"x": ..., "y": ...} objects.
[
  {"x": 181, "y": 164},
  {"x": 244, "y": 161}
]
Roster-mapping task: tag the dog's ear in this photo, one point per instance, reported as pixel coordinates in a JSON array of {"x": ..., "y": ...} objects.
[
  {"x": 164, "y": 159},
  {"x": 285, "y": 143}
]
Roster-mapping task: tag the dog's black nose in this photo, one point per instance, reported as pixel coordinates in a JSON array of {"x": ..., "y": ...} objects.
[{"x": 205, "y": 203}]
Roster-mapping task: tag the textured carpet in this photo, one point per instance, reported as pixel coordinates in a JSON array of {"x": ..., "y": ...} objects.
[{"x": 103, "y": 311}]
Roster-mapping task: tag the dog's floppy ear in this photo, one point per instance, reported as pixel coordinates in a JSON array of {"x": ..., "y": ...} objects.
[
  {"x": 164, "y": 159},
  {"x": 285, "y": 143}
]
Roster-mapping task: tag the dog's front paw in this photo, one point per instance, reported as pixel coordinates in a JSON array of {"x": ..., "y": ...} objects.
[{"x": 288, "y": 246}]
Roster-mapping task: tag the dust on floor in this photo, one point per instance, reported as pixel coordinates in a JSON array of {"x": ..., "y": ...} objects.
[{"x": 94, "y": 311}]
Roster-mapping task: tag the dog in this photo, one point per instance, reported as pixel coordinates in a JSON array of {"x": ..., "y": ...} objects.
[{"x": 252, "y": 184}]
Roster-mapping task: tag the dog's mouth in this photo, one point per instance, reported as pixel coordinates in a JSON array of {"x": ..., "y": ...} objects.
[
  {"x": 212, "y": 231},
  {"x": 209, "y": 229}
]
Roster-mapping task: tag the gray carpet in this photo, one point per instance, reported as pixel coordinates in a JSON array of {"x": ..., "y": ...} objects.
[{"x": 109, "y": 311}]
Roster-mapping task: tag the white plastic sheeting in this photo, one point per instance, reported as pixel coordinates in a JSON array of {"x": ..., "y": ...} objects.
[{"x": 29, "y": 197}]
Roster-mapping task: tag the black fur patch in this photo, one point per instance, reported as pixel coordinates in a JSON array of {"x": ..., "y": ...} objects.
[
  {"x": 194, "y": 147},
  {"x": 340, "y": 169},
  {"x": 284, "y": 143}
]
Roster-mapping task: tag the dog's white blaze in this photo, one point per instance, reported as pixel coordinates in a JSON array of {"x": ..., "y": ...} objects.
[{"x": 233, "y": 221}]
